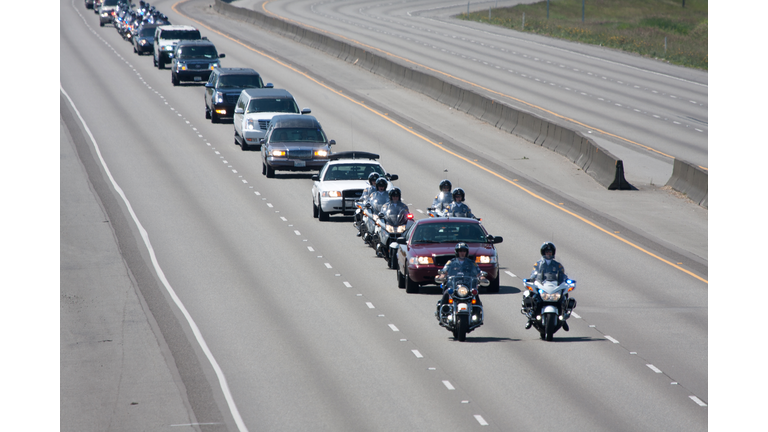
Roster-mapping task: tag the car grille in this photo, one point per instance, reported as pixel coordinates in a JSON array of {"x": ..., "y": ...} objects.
[
  {"x": 299, "y": 154},
  {"x": 352, "y": 193},
  {"x": 232, "y": 98},
  {"x": 198, "y": 66},
  {"x": 263, "y": 124}
]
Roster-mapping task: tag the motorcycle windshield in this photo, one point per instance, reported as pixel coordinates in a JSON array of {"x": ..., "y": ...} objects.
[{"x": 396, "y": 217}]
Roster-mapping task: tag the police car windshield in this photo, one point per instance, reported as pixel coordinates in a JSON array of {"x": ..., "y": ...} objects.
[
  {"x": 449, "y": 233},
  {"x": 352, "y": 171}
]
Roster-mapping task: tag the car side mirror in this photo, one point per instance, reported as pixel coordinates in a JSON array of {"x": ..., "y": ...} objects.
[
  {"x": 209, "y": 85},
  {"x": 496, "y": 240},
  {"x": 222, "y": 55},
  {"x": 332, "y": 142},
  {"x": 401, "y": 240},
  {"x": 262, "y": 140},
  {"x": 239, "y": 111},
  {"x": 315, "y": 177},
  {"x": 392, "y": 177},
  {"x": 269, "y": 85},
  {"x": 306, "y": 111},
  {"x": 204, "y": 38}
]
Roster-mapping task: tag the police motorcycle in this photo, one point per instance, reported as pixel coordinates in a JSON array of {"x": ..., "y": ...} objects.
[
  {"x": 442, "y": 201},
  {"x": 371, "y": 210},
  {"x": 392, "y": 225},
  {"x": 548, "y": 305},
  {"x": 462, "y": 314}
]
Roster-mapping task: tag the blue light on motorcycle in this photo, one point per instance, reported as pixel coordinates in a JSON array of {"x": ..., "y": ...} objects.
[{"x": 568, "y": 281}]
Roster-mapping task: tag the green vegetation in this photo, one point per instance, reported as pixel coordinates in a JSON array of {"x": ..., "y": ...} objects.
[{"x": 638, "y": 26}]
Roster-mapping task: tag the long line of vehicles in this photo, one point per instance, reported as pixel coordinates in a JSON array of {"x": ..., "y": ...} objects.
[{"x": 351, "y": 183}]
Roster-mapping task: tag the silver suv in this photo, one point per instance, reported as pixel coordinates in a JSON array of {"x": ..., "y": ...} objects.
[
  {"x": 166, "y": 39},
  {"x": 254, "y": 110}
]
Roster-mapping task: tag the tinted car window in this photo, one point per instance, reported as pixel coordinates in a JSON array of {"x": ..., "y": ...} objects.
[
  {"x": 147, "y": 32},
  {"x": 198, "y": 52},
  {"x": 181, "y": 34},
  {"x": 351, "y": 171},
  {"x": 449, "y": 233},
  {"x": 280, "y": 105},
  {"x": 109, "y": 3},
  {"x": 297, "y": 135},
  {"x": 241, "y": 81}
]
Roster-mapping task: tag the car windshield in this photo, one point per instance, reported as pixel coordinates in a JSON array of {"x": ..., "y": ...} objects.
[
  {"x": 241, "y": 81},
  {"x": 352, "y": 171},
  {"x": 198, "y": 52},
  {"x": 281, "y": 105},
  {"x": 297, "y": 135},
  {"x": 454, "y": 232},
  {"x": 181, "y": 34},
  {"x": 147, "y": 32},
  {"x": 109, "y": 3}
]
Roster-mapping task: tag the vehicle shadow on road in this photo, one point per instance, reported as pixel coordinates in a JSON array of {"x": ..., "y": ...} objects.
[
  {"x": 577, "y": 339},
  {"x": 488, "y": 339},
  {"x": 295, "y": 176}
]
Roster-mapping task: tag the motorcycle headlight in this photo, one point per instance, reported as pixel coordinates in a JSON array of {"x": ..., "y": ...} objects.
[
  {"x": 550, "y": 297},
  {"x": 332, "y": 194},
  {"x": 462, "y": 291},
  {"x": 390, "y": 228},
  {"x": 400, "y": 229}
]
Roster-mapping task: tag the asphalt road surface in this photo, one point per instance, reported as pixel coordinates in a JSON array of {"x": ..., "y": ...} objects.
[{"x": 216, "y": 302}]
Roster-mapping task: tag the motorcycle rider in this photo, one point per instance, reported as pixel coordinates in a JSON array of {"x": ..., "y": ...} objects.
[
  {"x": 372, "y": 177},
  {"x": 544, "y": 269},
  {"x": 459, "y": 264},
  {"x": 376, "y": 199},
  {"x": 443, "y": 200},
  {"x": 392, "y": 207},
  {"x": 458, "y": 208}
]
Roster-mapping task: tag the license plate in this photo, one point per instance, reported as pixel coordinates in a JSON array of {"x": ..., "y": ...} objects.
[
  {"x": 462, "y": 307},
  {"x": 299, "y": 163},
  {"x": 198, "y": 78}
]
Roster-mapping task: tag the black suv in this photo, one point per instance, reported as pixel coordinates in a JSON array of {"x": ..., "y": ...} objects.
[
  {"x": 224, "y": 87},
  {"x": 194, "y": 60}
]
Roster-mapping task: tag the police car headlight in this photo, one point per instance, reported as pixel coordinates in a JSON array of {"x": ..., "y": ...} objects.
[
  {"x": 331, "y": 194},
  {"x": 166, "y": 47},
  {"x": 219, "y": 98},
  {"x": 423, "y": 260},
  {"x": 181, "y": 67},
  {"x": 485, "y": 259}
]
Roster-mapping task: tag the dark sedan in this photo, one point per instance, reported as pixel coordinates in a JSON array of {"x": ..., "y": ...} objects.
[
  {"x": 430, "y": 243},
  {"x": 144, "y": 41},
  {"x": 224, "y": 87}
]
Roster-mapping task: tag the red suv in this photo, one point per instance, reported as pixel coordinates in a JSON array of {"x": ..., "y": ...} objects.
[{"x": 430, "y": 243}]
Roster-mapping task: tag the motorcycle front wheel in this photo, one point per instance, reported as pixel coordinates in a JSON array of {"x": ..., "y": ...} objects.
[
  {"x": 550, "y": 323},
  {"x": 462, "y": 325}
]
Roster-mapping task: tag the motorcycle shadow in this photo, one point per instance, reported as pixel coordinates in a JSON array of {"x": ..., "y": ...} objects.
[
  {"x": 487, "y": 339},
  {"x": 576, "y": 339}
]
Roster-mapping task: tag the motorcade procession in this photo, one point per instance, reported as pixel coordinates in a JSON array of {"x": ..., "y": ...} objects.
[{"x": 423, "y": 252}]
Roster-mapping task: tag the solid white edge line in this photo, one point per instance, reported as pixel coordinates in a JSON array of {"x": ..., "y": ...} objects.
[
  {"x": 195, "y": 330},
  {"x": 698, "y": 401}
]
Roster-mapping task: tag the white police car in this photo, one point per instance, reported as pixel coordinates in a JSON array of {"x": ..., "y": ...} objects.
[{"x": 341, "y": 182}]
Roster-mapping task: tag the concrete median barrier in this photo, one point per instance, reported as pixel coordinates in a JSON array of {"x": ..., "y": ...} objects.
[
  {"x": 692, "y": 180},
  {"x": 600, "y": 164}
]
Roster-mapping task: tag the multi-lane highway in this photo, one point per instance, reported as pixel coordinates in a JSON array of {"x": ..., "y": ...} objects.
[{"x": 264, "y": 318}]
